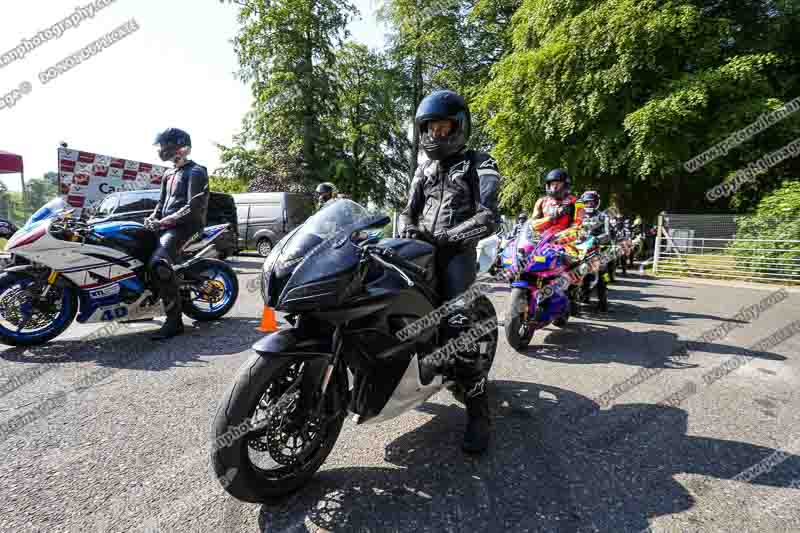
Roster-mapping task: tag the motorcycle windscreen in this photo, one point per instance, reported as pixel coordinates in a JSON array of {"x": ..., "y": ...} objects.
[
  {"x": 326, "y": 259},
  {"x": 48, "y": 210}
]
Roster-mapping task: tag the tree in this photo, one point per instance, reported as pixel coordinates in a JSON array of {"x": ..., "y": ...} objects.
[
  {"x": 39, "y": 192},
  {"x": 286, "y": 52},
  {"x": 373, "y": 147},
  {"x": 426, "y": 47},
  {"x": 622, "y": 92}
]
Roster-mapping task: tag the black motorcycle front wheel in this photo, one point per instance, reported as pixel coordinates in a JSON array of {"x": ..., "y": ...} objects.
[
  {"x": 518, "y": 332},
  {"x": 267, "y": 443}
]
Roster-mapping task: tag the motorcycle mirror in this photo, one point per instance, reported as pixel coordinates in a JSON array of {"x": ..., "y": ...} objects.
[{"x": 364, "y": 237}]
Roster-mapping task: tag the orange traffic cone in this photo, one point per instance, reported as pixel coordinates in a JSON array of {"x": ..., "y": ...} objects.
[{"x": 268, "y": 322}]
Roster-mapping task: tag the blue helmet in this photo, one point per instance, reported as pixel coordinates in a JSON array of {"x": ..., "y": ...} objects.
[
  {"x": 557, "y": 174},
  {"x": 171, "y": 140},
  {"x": 443, "y": 105}
]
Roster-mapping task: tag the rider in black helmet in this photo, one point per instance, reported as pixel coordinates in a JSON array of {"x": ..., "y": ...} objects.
[
  {"x": 453, "y": 204},
  {"x": 522, "y": 219},
  {"x": 324, "y": 193},
  {"x": 598, "y": 224},
  {"x": 179, "y": 214}
]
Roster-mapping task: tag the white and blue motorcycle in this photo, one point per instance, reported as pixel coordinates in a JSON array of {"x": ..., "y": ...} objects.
[{"x": 64, "y": 269}]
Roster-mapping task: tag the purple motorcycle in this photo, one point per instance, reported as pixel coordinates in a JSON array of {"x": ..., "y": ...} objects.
[{"x": 541, "y": 275}]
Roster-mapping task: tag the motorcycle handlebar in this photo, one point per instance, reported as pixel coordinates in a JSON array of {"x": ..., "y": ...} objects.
[{"x": 391, "y": 256}]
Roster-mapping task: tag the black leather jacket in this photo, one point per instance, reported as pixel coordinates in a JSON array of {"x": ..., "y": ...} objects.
[
  {"x": 458, "y": 195},
  {"x": 184, "y": 197},
  {"x": 598, "y": 225}
]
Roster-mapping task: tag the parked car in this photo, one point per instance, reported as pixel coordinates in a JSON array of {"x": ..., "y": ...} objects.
[
  {"x": 137, "y": 205},
  {"x": 264, "y": 218}
]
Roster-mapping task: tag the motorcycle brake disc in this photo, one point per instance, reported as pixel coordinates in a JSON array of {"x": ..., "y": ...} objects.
[
  {"x": 212, "y": 291},
  {"x": 288, "y": 441}
]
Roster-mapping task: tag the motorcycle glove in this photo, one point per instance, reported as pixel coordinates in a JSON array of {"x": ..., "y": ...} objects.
[
  {"x": 414, "y": 232},
  {"x": 152, "y": 223}
]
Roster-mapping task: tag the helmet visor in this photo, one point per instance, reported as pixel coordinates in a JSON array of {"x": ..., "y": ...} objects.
[{"x": 554, "y": 187}]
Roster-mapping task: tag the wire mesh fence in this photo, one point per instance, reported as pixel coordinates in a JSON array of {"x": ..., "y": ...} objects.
[{"x": 729, "y": 247}]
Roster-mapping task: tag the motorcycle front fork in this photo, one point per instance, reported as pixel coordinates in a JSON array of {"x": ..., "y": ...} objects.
[{"x": 310, "y": 384}]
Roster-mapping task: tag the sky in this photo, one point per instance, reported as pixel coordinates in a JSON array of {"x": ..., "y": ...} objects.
[{"x": 176, "y": 70}]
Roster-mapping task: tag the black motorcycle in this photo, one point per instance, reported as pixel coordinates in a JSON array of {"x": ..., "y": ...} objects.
[{"x": 348, "y": 296}]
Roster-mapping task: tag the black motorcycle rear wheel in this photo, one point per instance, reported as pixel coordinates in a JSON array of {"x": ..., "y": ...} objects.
[{"x": 271, "y": 385}]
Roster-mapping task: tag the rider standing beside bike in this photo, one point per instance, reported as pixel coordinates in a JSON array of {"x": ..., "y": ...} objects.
[
  {"x": 179, "y": 214},
  {"x": 452, "y": 204}
]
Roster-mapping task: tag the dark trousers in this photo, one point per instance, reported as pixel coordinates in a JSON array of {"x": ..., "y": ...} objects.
[
  {"x": 456, "y": 272},
  {"x": 162, "y": 265}
]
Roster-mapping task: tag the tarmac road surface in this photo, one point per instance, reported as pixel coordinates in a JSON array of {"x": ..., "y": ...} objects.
[{"x": 112, "y": 435}]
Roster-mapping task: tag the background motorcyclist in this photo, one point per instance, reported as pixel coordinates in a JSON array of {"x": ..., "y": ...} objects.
[
  {"x": 324, "y": 193},
  {"x": 522, "y": 219},
  {"x": 453, "y": 204},
  {"x": 179, "y": 214},
  {"x": 560, "y": 209},
  {"x": 597, "y": 224}
]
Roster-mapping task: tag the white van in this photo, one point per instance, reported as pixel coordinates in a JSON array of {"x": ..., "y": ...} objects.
[{"x": 264, "y": 218}]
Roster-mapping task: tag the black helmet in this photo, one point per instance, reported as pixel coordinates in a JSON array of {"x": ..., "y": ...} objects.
[
  {"x": 325, "y": 188},
  {"x": 443, "y": 105},
  {"x": 171, "y": 140},
  {"x": 558, "y": 174},
  {"x": 522, "y": 217},
  {"x": 590, "y": 201}
]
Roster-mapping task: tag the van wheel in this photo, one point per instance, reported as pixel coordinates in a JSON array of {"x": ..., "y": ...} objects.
[{"x": 264, "y": 247}]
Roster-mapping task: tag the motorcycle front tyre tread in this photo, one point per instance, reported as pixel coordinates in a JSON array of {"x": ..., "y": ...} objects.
[{"x": 243, "y": 481}]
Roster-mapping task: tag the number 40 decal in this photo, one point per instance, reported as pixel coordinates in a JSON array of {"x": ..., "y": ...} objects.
[{"x": 111, "y": 314}]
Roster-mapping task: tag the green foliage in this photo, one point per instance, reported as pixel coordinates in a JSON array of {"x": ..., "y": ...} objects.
[
  {"x": 776, "y": 217},
  {"x": 619, "y": 92},
  {"x": 622, "y": 92},
  {"x": 286, "y": 51},
  {"x": 372, "y": 160},
  {"x": 39, "y": 192},
  {"x": 227, "y": 185}
]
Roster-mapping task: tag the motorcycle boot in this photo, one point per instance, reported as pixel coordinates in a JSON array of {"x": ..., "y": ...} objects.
[
  {"x": 573, "y": 292},
  {"x": 602, "y": 291},
  {"x": 586, "y": 288},
  {"x": 164, "y": 278},
  {"x": 471, "y": 378}
]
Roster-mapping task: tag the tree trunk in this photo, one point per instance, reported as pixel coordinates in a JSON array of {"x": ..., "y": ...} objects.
[
  {"x": 675, "y": 196},
  {"x": 417, "y": 99},
  {"x": 309, "y": 135}
]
